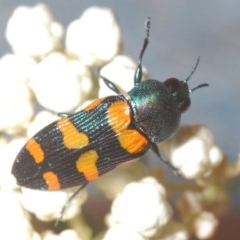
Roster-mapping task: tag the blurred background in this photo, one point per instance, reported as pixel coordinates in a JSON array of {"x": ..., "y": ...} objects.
[{"x": 181, "y": 31}]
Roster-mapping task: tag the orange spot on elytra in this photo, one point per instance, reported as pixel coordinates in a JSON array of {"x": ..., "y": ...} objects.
[
  {"x": 86, "y": 164},
  {"x": 94, "y": 104},
  {"x": 119, "y": 119},
  {"x": 34, "y": 148},
  {"x": 72, "y": 138},
  {"x": 119, "y": 116},
  {"x": 51, "y": 180},
  {"x": 132, "y": 141}
]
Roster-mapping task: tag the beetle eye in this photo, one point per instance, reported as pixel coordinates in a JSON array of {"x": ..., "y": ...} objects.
[
  {"x": 180, "y": 92},
  {"x": 173, "y": 85}
]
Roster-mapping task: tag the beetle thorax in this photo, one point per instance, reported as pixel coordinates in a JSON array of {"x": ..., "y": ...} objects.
[{"x": 156, "y": 112}]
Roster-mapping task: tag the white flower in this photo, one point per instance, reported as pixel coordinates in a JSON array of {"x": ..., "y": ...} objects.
[
  {"x": 16, "y": 67},
  {"x": 142, "y": 206},
  {"x": 47, "y": 205},
  {"x": 121, "y": 231},
  {"x": 95, "y": 37},
  {"x": 14, "y": 221},
  {"x": 16, "y": 107},
  {"x": 61, "y": 84},
  {"x": 205, "y": 225},
  {"x": 114, "y": 181},
  {"x": 192, "y": 151},
  {"x": 32, "y": 31},
  {"x": 8, "y": 153}
]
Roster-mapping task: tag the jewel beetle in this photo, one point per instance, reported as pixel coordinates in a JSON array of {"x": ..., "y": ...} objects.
[{"x": 79, "y": 147}]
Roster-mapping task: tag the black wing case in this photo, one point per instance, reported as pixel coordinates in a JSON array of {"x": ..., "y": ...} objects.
[{"x": 77, "y": 149}]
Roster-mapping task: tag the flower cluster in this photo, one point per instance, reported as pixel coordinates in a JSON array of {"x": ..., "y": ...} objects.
[{"x": 43, "y": 76}]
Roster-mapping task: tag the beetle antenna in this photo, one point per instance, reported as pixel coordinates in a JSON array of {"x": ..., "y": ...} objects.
[
  {"x": 146, "y": 39},
  {"x": 138, "y": 72},
  {"x": 199, "y": 86},
  {"x": 193, "y": 71}
]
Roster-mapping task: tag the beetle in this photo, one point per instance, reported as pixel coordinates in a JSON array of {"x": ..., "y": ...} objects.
[{"x": 80, "y": 147}]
